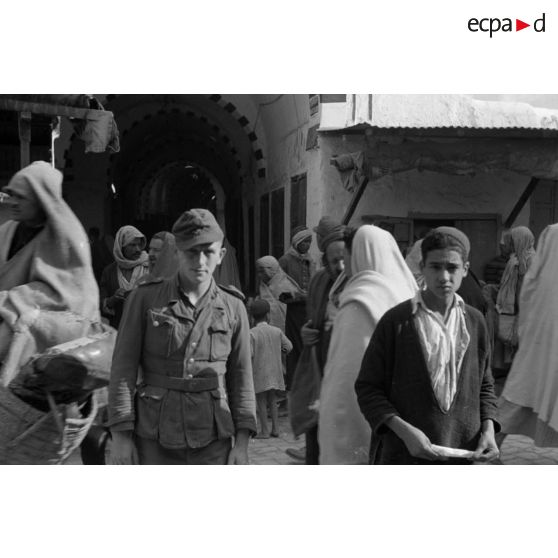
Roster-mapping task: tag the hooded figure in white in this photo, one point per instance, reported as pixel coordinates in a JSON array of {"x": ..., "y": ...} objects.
[
  {"x": 48, "y": 293},
  {"x": 379, "y": 279}
]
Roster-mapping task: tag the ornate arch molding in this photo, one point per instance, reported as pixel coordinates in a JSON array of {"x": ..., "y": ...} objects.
[{"x": 245, "y": 124}]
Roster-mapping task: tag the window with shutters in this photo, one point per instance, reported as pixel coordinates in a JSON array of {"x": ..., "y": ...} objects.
[
  {"x": 272, "y": 223},
  {"x": 277, "y": 222}
]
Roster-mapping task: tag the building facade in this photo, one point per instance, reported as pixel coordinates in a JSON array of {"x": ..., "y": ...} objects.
[{"x": 266, "y": 164}]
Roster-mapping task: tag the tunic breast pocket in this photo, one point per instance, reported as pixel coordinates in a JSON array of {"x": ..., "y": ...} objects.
[
  {"x": 220, "y": 339},
  {"x": 161, "y": 333}
]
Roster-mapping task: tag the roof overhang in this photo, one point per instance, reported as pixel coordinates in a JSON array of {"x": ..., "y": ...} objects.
[
  {"x": 438, "y": 116},
  {"x": 97, "y": 127}
]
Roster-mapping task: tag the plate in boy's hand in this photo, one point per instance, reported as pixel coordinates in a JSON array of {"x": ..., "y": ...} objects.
[{"x": 453, "y": 452}]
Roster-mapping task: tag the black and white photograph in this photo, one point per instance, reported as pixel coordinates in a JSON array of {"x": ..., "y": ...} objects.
[
  {"x": 285, "y": 240},
  {"x": 320, "y": 279}
]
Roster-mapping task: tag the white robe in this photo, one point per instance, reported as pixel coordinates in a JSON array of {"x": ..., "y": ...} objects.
[
  {"x": 380, "y": 280},
  {"x": 529, "y": 401}
]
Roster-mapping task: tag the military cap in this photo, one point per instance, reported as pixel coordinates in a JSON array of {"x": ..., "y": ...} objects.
[{"x": 196, "y": 226}]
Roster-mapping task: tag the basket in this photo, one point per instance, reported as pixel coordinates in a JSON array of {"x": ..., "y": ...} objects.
[{"x": 29, "y": 436}]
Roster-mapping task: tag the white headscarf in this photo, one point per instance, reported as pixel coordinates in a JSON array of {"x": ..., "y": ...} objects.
[
  {"x": 140, "y": 267},
  {"x": 522, "y": 241},
  {"x": 377, "y": 263}
]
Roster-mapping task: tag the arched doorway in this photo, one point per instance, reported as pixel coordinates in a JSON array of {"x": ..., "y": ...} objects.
[
  {"x": 171, "y": 162},
  {"x": 177, "y": 152},
  {"x": 176, "y": 187}
]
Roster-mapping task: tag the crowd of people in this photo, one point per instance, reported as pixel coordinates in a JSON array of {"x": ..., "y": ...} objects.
[{"x": 382, "y": 359}]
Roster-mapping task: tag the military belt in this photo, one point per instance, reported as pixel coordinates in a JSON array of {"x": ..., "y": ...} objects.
[{"x": 181, "y": 384}]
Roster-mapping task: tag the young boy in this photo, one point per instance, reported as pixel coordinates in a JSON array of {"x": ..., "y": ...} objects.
[
  {"x": 425, "y": 379},
  {"x": 267, "y": 343}
]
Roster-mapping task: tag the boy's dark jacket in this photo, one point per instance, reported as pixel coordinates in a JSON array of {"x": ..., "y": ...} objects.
[{"x": 394, "y": 380}]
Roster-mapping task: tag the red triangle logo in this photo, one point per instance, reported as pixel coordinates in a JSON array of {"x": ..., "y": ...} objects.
[{"x": 519, "y": 25}]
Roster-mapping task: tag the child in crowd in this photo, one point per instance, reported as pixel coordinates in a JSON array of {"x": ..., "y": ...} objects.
[
  {"x": 425, "y": 384},
  {"x": 267, "y": 343}
]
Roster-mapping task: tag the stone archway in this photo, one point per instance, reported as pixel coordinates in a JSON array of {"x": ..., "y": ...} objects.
[
  {"x": 175, "y": 188},
  {"x": 162, "y": 135}
]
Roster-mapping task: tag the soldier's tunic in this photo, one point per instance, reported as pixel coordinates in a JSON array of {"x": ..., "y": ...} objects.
[{"x": 196, "y": 384}]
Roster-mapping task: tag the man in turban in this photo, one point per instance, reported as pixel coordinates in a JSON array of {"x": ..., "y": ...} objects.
[
  {"x": 299, "y": 266},
  {"x": 316, "y": 332},
  {"x": 296, "y": 262}
]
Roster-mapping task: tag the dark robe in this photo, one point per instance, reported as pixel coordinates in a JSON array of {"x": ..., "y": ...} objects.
[
  {"x": 107, "y": 287},
  {"x": 471, "y": 292}
]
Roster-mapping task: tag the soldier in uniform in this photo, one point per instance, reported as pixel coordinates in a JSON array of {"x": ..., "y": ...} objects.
[{"x": 191, "y": 338}]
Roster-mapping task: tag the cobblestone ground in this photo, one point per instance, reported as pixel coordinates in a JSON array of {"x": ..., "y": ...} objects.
[
  {"x": 273, "y": 450},
  {"x": 516, "y": 450},
  {"x": 520, "y": 450},
  {"x": 270, "y": 451}
]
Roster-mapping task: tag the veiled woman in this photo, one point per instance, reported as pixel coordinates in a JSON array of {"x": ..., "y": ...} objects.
[
  {"x": 521, "y": 244},
  {"x": 48, "y": 293},
  {"x": 379, "y": 279}
]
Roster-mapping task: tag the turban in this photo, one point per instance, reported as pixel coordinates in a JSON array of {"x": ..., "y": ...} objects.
[
  {"x": 328, "y": 231},
  {"x": 301, "y": 236}
]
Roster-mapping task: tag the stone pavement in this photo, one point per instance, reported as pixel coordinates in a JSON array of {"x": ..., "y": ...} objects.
[
  {"x": 260, "y": 452},
  {"x": 520, "y": 450},
  {"x": 272, "y": 451},
  {"x": 516, "y": 450}
]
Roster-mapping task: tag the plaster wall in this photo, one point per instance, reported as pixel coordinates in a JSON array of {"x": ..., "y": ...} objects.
[
  {"x": 285, "y": 124},
  {"x": 397, "y": 195}
]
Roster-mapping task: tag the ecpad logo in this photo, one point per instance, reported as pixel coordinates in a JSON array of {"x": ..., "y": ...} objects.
[{"x": 492, "y": 25}]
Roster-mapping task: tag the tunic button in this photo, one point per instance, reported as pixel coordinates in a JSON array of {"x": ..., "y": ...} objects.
[
  {"x": 191, "y": 360},
  {"x": 156, "y": 324},
  {"x": 194, "y": 344},
  {"x": 189, "y": 377}
]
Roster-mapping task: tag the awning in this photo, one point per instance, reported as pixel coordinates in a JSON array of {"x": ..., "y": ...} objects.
[{"x": 94, "y": 125}]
